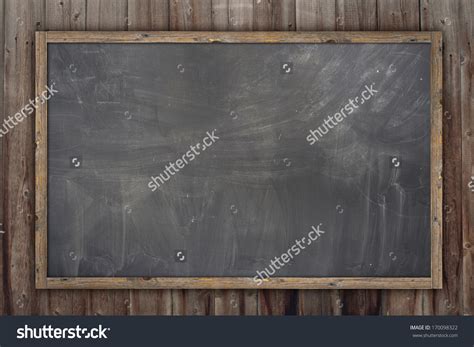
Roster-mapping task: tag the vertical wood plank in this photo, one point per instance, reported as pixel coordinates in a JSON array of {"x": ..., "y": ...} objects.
[
  {"x": 399, "y": 15},
  {"x": 106, "y": 15},
  {"x": 108, "y": 303},
  {"x": 398, "y": 303},
  {"x": 467, "y": 124},
  {"x": 60, "y": 303},
  {"x": 148, "y": 15},
  {"x": 150, "y": 302},
  {"x": 315, "y": 15},
  {"x": 284, "y": 15},
  {"x": 143, "y": 302},
  {"x": 276, "y": 302},
  {"x": 356, "y": 15},
  {"x": 446, "y": 17},
  {"x": 199, "y": 302},
  {"x": 424, "y": 302},
  {"x": 229, "y": 302},
  {"x": 361, "y": 302},
  {"x": 177, "y": 302},
  {"x": 437, "y": 158},
  {"x": 320, "y": 302},
  {"x": 241, "y": 15},
  {"x": 310, "y": 303},
  {"x": 190, "y": 14},
  {"x": 65, "y": 14},
  {"x": 101, "y": 303},
  {"x": 262, "y": 15},
  {"x": 22, "y": 18},
  {"x": 250, "y": 302},
  {"x": 235, "y": 302},
  {"x": 220, "y": 15},
  {"x": 2, "y": 161},
  {"x": 81, "y": 301}
]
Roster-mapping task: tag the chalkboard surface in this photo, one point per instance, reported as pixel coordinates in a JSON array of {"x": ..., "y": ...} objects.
[{"x": 279, "y": 150}]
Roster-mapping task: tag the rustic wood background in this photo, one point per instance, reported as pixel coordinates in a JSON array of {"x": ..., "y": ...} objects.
[{"x": 19, "y": 19}]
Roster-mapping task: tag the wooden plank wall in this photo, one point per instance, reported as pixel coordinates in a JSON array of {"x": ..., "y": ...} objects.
[{"x": 20, "y": 19}]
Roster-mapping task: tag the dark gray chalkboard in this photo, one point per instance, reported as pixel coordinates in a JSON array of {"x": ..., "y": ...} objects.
[{"x": 124, "y": 111}]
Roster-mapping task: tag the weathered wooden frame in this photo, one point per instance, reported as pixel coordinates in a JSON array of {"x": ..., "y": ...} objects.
[{"x": 41, "y": 176}]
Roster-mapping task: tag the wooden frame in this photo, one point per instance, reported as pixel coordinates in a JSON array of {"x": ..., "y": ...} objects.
[{"x": 432, "y": 282}]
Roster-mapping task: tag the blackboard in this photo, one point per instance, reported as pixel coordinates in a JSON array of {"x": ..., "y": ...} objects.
[{"x": 246, "y": 160}]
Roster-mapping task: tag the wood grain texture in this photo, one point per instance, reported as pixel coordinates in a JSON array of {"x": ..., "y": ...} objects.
[
  {"x": 220, "y": 15},
  {"x": 41, "y": 159},
  {"x": 2, "y": 161},
  {"x": 241, "y": 13},
  {"x": 190, "y": 15},
  {"x": 446, "y": 17},
  {"x": 455, "y": 21},
  {"x": 284, "y": 15},
  {"x": 148, "y": 15},
  {"x": 106, "y": 15},
  {"x": 398, "y": 15},
  {"x": 436, "y": 159},
  {"x": 262, "y": 15},
  {"x": 356, "y": 15},
  {"x": 203, "y": 283},
  {"x": 65, "y": 14},
  {"x": 361, "y": 302},
  {"x": 238, "y": 37},
  {"x": 21, "y": 22},
  {"x": 150, "y": 302},
  {"x": 315, "y": 15},
  {"x": 467, "y": 126}
]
